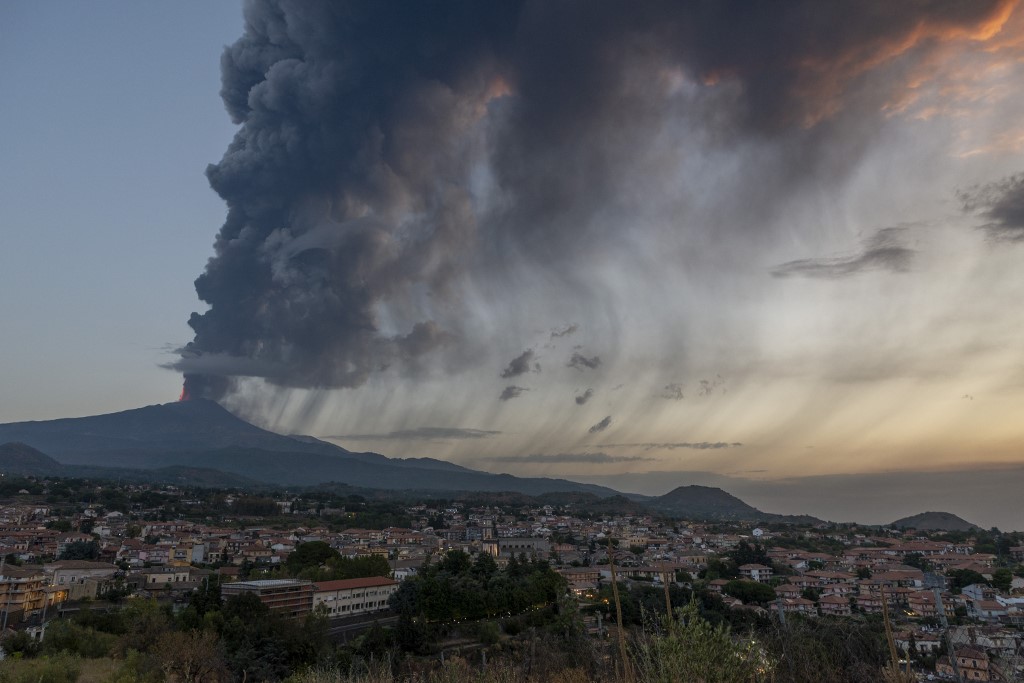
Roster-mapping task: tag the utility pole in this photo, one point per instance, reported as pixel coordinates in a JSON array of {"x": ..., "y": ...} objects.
[{"x": 626, "y": 669}]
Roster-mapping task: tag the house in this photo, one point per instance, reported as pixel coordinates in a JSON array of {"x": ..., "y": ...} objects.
[
  {"x": 81, "y": 578},
  {"x": 756, "y": 572},
  {"x": 799, "y": 606},
  {"x": 348, "y": 597},
  {"x": 922, "y": 604},
  {"x": 834, "y": 605},
  {"x": 971, "y": 661},
  {"x": 22, "y": 591},
  {"x": 158, "y": 577},
  {"x": 581, "y": 579}
]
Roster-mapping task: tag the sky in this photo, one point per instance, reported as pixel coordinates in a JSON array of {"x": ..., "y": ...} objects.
[{"x": 775, "y": 248}]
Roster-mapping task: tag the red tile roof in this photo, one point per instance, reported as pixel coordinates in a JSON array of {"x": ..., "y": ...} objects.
[{"x": 343, "y": 584}]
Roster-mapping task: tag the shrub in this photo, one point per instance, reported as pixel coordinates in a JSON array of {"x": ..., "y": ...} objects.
[{"x": 62, "y": 668}]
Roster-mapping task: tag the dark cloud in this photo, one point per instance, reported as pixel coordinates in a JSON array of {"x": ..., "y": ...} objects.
[
  {"x": 601, "y": 426},
  {"x": 581, "y": 362},
  {"x": 565, "y": 331},
  {"x": 706, "y": 387},
  {"x": 520, "y": 365},
  {"x": 884, "y": 251},
  {"x": 698, "y": 446},
  {"x": 1002, "y": 203},
  {"x": 673, "y": 392},
  {"x": 584, "y": 397},
  {"x": 511, "y": 392},
  {"x": 421, "y": 434},
  {"x": 348, "y": 181},
  {"x": 571, "y": 458}
]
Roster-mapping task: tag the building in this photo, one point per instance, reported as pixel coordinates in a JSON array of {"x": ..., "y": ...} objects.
[
  {"x": 756, "y": 572},
  {"x": 81, "y": 578},
  {"x": 348, "y": 597},
  {"x": 835, "y": 605},
  {"x": 290, "y": 597},
  {"x": 972, "y": 663},
  {"x": 531, "y": 547},
  {"x": 22, "y": 592},
  {"x": 581, "y": 579}
]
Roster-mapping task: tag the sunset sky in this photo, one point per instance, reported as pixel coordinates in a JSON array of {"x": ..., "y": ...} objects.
[{"x": 732, "y": 243}]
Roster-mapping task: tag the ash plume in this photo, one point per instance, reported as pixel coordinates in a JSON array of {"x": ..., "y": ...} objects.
[{"x": 350, "y": 211}]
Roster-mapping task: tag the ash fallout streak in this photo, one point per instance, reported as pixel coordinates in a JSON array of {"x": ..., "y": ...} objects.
[{"x": 438, "y": 199}]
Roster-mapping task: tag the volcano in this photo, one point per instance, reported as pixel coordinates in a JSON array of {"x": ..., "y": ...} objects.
[{"x": 200, "y": 433}]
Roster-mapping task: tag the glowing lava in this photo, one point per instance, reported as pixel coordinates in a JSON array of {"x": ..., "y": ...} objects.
[{"x": 184, "y": 393}]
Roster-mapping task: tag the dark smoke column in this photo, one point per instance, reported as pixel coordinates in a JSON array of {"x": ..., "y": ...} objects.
[
  {"x": 344, "y": 187},
  {"x": 361, "y": 123}
]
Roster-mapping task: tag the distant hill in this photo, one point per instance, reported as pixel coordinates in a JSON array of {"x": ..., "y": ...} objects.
[
  {"x": 200, "y": 434},
  {"x": 705, "y": 502},
  {"x": 935, "y": 521},
  {"x": 23, "y": 460},
  {"x": 709, "y": 503}
]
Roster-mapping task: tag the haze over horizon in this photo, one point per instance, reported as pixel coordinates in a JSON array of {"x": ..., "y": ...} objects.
[{"x": 731, "y": 241}]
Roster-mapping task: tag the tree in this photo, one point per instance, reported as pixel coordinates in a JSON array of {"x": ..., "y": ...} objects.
[
  {"x": 962, "y": 578},
  {"x": 192, "y": 657},
  {"x": 750, "y": 591},
  {"x": 1002, "y": 579},
  {"x": 81, "y": 550},
  {"x": 312, "y": 554},
  {"x": 917, "y": 560},
  {"x": 811, "y": 594},
  {"x": 750, "y": 554}
]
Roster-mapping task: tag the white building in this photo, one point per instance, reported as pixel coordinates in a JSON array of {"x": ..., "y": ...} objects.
[{"x": 347, "y": 597}]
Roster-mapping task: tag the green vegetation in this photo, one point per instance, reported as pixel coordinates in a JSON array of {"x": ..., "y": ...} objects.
[
  {"x": 690, "y": 648},
  {"x": 459, "y": 587}
]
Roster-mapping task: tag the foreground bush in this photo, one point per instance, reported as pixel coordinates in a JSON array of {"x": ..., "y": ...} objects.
[
  {"x": 692, "y": 649},
  {"x": 62, "y": 668}
]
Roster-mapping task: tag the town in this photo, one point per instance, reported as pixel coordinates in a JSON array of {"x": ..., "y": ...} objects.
[{"x": 951, "y": 604}]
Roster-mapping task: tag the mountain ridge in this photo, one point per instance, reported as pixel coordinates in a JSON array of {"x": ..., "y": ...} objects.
[{"x": 202, "y": 434}]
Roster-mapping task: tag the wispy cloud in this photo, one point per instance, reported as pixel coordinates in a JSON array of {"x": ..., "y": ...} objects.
[
  {"x": 673, "y": 392},
  {"x": 884, "y": 251},
  {"x": 572, "y": 458},
  {"x": 584, "y": 397},
  {"x": 421, "y": 434},
  {"x": 671, "y": 446},
  {"x": 564, "y": 331},
  {"x": 1002, "y": 203},
  {"x": 520, "y": 365},
  {"x": 601, "y": 426},
  {"x": 581, "y": 362},
  {"x": 511, "y": 392}
]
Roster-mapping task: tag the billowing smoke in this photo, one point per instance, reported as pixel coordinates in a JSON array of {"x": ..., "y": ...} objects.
[{"x": 386, "y": 151}]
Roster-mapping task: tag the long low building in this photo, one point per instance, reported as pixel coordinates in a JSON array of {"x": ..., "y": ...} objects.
[
  {"x": 347, "y": 597},
  {"x": 290, "y": 597}
]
